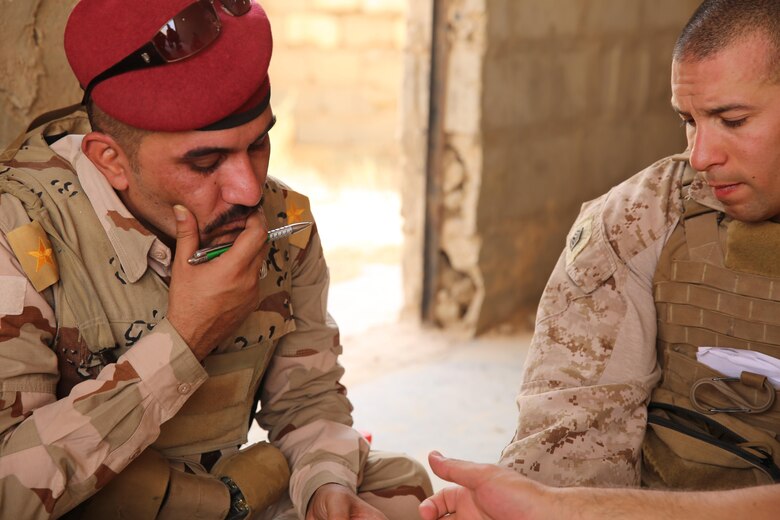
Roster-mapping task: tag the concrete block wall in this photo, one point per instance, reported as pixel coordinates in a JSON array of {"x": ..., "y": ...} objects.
[
  {"x": 336, "y": 80},
  {"x": 548, "y": 104}
]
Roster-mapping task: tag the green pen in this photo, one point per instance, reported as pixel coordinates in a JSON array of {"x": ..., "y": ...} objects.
[{"x": 210, "y": 253}]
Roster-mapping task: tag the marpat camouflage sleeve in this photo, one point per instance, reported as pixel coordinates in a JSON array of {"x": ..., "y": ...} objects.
[
  {"x": 304, "y": 406},
  {"x": 592, "y": 363},
  {"x": 54, "y": 454}
]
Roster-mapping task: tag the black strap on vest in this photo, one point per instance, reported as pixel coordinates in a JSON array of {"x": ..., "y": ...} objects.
[{"x": 713, "y": 433}]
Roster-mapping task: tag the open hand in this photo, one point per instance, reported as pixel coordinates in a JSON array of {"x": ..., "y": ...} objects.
[{"x": 485, "y": 492}]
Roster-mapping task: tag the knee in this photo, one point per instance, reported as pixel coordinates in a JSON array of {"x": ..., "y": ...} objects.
[{"x": 385, "y": 470}]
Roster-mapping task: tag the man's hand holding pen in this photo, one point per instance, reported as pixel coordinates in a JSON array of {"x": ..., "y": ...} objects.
[
  {"x": 209, "y": 253},
  {"x": 206, "y": 303}
]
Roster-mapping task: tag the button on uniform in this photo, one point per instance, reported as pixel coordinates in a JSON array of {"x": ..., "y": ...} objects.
[{"x": 185, "y": 388}]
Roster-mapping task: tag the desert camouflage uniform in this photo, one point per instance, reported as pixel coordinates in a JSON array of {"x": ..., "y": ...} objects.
[
  {"x": 628, "y": 269},
  {"x": 71, "y": 420},
  {"x": 592, "y": 362}
]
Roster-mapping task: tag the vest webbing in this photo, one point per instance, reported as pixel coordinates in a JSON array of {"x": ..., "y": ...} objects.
[{"x": 701, "y": 301}]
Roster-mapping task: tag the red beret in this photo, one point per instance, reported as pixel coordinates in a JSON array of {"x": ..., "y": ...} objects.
[{"x": 224, "y": 85}]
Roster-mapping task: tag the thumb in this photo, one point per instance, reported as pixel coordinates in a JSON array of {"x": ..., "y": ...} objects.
[
  {"x": 466, "y": 474},
  {"x": 187, "y": 238}
]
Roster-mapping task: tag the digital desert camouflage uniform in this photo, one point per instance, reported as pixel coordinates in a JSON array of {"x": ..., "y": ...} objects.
[
  {"x": 604, "y": 324},
  {"x": 86, "y": 388}
]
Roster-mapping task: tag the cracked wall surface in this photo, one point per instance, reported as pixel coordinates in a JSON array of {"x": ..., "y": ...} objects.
[{"x": 34, "y": 74}]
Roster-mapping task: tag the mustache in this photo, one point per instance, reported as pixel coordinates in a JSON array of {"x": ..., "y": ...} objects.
[{"x": 233, "y": 213}]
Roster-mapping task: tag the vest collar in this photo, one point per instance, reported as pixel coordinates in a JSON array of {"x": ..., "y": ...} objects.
[{"x": 132, "y": 242}]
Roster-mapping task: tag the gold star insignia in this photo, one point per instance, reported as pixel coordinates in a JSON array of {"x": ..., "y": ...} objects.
[
  {"x": 294, "y": 213},
  {"x": 43, "y": 255}
]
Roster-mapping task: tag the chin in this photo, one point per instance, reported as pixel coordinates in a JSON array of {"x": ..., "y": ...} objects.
[{"x": 746, "y": 215}]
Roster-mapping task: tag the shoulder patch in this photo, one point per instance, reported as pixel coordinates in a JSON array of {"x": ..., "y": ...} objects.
[
  {"x": 33, "y": 249},
  {"x": 298, "y": 210}
]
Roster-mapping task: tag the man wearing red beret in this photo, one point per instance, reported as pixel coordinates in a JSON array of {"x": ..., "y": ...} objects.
[{"x": 129, "y": 375}]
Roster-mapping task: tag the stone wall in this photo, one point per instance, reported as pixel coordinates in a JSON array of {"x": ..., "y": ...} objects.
[
  {"x": 336, "y": 76},
  {"x": 34, "y": 74},
  {"x": 546, "y": 105}
]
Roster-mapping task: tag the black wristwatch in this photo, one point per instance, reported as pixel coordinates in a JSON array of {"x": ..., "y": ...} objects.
[{"x": 238, "y": 506}]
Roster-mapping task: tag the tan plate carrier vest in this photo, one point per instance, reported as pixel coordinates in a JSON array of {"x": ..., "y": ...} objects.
[
  {"x": 717, "y": 284},
  {"x": 100, "y": 315}
]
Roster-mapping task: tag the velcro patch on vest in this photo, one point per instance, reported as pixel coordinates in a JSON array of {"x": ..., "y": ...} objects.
[
  {"x": 298, "y": 210},
  {"x": 33, "y": 249},
  {"x": 577, "y": 240},
  {"x": 753, "y": 247}
]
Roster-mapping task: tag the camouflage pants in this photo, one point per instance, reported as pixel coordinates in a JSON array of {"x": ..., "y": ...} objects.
[{"x": 393, "y": 483}]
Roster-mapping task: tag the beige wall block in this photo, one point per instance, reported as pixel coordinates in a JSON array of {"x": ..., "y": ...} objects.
[
  {"x": 339, "y": 6},
  {"x": 372, "y": 31},
  {"x": 318, "y": 30},
  {"x": 386, "y": 6},
  {"x": 336, "y": 75}
]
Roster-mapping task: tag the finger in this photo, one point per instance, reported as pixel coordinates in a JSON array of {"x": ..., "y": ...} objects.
[
  {"x": 429, "y": 510},
  {"x": 187, "y": 237},
  {"x": 251, "y": 242},
  {"x": 440, "y": 504},
  {"x": 336, "y": 507},
  {"x": 467, "y": 474}
]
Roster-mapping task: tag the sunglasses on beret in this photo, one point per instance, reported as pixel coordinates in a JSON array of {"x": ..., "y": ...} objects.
[{"x": 190, "y": 31}]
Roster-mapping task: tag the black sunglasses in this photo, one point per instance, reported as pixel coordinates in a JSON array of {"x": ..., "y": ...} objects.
[{"x": 193, "y": 29}]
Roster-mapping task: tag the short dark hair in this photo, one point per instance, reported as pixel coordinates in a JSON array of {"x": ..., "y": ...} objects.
[
  {"x": 718, "y": 23},
  {"x": 128, "y": 137}
]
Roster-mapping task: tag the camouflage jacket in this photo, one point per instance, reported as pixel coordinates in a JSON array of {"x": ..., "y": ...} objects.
[
  {"x": 59, "y": 444},
  {"x": 593, "y": 362}
]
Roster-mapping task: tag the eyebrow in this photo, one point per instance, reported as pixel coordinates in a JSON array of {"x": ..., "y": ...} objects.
[
  {"x": 204, "y": 151},
  {"x": 716, "y": 111}
]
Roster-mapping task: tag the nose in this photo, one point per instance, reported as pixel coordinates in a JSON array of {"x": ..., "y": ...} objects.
[
  {"x": 241, "y": 184},
  {"x": 706, "y": 149}
]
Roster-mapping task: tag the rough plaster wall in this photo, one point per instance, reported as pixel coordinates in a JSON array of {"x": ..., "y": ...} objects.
[
  {"x": 459, "y": 295},
  {"x": 548, "y": 104},
  {"x": 34, "y": 74}
]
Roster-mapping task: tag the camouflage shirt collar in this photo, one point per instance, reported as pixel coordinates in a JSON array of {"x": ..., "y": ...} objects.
[
  {"x": 136, "y": 247},
  {"x": 698, "y": 189},
  {"x": 701, "y": 193}
]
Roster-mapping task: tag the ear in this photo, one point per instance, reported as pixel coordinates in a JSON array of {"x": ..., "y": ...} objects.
[{"x": 106, "y": 154}]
